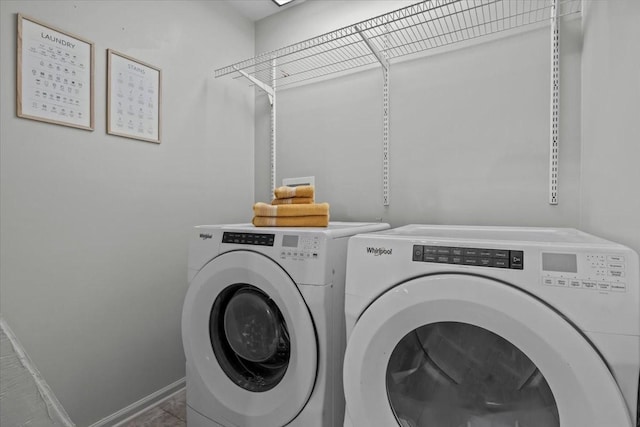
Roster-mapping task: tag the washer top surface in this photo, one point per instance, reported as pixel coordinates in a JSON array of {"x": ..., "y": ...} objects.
[
  {"x": 335, "y": 229},
  {"x": 493, "y": 233}
]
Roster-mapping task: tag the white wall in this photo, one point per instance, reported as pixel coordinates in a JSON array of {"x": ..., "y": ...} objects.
[
  {"x": 94, "y": 228},
  {"x": 469, "y": 128},
  {"x": 610, "y": 204}
]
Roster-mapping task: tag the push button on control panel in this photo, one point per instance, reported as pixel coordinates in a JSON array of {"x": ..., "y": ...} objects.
[
  {"x": 417, "y": 253},
  {"x": 615, "y": 266},
  {"x": 517, "y": 259},
  {"x": 477, "y": 257}
]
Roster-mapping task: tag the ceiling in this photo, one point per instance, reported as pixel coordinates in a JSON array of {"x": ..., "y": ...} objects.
[{"x": 258, "y": 9}]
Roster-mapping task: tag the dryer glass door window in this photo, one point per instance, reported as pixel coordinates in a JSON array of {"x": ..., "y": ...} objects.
[
  {"x": 249, "y": 337},
  {"x": 457, "y": 374}
]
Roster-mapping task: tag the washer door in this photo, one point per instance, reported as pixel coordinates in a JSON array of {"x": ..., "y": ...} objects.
[
  {"x": 249, "y": 341},
  {"x": 464, "y": 350}
]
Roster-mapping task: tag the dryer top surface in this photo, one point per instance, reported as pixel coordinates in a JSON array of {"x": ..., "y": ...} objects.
[{"x": 494, "y": 233}]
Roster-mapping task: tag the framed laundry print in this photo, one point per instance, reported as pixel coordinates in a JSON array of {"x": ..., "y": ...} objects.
[
  {"x": 54, "y": 78},
  {"x": 133, "y": 98}
]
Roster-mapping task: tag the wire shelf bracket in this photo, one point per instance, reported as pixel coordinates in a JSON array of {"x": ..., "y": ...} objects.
[
  {"x": 269, "y": 90},
  {"x": 380, "y": 55}
]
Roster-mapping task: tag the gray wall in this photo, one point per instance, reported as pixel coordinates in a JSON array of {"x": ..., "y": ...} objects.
[
  {"x": 610, "y": 202},
  {"x": 94, "y": 227},
  {"x": 469, "y": 126}
]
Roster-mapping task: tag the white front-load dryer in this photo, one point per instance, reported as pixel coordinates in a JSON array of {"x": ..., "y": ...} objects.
[
  {"x": 263, "y": 325},
  {"x": 491, "y": 326}
]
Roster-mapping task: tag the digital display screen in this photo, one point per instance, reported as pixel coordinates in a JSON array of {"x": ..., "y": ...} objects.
[
  {"x": 289, "y": 241},
  {"x": 564, "y": 263}
]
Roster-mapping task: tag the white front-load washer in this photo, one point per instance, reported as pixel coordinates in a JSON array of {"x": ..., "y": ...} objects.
[
  {"x": 491, "y": 326},
  {"x": 263, "y": 325}
]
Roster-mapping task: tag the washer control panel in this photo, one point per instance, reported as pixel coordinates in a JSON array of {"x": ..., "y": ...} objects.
[
  {"x": 477, "y": 257},
  {"x": 594, "y": 271},
  {"x": 288, "y": 246},
  {"x": 300, "y": 248}
]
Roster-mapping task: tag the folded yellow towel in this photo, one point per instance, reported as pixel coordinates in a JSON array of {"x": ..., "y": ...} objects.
[
  {"x": 311, "y": 209},
  {"x": 292, "y": 201},
  {"x": 291, "y": 221},
  {"x": 286, "y": 192}
]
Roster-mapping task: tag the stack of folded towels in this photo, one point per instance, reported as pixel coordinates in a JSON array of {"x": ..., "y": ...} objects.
[{"x": 291, "y": 207}]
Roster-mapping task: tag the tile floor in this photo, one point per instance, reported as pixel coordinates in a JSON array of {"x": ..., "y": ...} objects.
[{"x": 170, "y": 413}]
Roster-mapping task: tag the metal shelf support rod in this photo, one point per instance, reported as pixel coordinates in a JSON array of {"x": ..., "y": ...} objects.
[
  {"x": 386, "y": 190},
  {"x": 554, "y": 137},
  {"x": 382, "y": 57},
  {"x": 271, "y": 93},
  {"x": 273, "y": 126}
]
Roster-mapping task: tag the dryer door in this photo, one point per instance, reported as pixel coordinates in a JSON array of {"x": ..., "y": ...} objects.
[
  {"x": 249, "y": 341},
  {"x": 461, "y": 350}
]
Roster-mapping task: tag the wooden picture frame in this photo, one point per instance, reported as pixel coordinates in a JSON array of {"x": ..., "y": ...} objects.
[
  {"x": 133, "y": 98},
  {"x": 55, "y": 75}
]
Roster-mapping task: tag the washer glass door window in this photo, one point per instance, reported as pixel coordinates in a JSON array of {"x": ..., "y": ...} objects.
[
  {"x": 452, "y": 373},
  {"x": 250, "y": 338}
]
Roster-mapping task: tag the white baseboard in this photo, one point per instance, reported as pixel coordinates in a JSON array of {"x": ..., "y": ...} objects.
[{"x": 127, "y": 414}]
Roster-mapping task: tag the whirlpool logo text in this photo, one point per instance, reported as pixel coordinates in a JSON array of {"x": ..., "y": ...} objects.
[{"x": 379, "y": 251}]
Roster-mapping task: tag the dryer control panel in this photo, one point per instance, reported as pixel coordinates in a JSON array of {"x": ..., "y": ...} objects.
[
  {"x": 476, "y": 257},
  {"x": 591, "y": 271}
]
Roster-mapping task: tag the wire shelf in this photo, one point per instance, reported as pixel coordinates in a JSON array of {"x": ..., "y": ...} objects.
[{"x": 407, "y": 31}]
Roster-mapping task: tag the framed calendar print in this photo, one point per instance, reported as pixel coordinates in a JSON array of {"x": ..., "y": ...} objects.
[{"x": 133, "y": 98}]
